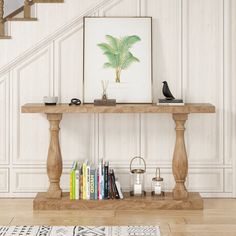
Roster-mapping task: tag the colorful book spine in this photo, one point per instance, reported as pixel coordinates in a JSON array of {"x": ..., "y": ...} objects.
[
  {"x": 96, "y": 185},
  {"x": 100, "y": 179},
  {"x": 106, "y": 180},
  {"x": 92, "y": 183},
  {"x": 103, "y": 185},
  {"x": 77, "y": 187},
  {"x": 71, "y": 184},
  {"x": 81, "y": 182},
  {"x": 84, "y": 181},
  {"x": 72, "y": 181},
  {"x": 88, "y": 183}
]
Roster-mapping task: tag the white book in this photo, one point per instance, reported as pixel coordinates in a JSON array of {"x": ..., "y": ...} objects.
[
  {"x": 119, "y": 190},
  {"x": 77, "y": 186}
]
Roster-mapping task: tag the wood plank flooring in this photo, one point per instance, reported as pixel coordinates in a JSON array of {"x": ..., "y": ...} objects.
[{"x": 217, "y": 219}]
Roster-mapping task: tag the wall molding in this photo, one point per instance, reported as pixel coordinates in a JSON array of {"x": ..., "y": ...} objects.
[
  {"x": 48, "y": 40},
  {"x": 217, "y": 169},
  {"x": 4, "y": 88},
  {"x": 17, "y": 102},
  {"x": 4, "y": 180}
]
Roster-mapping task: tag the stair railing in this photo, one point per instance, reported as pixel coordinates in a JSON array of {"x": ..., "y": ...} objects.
[
  {"x": 1, "y": 18},
  {"x": 27, "y": 13}
]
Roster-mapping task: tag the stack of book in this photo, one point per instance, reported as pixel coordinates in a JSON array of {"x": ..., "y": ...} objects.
[
  {"x": 173, "y": 102},
  {"x": 90, "y": 183}
]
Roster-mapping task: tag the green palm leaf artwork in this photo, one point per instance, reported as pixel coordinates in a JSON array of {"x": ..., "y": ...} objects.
[{"x": 117, "y": 51}]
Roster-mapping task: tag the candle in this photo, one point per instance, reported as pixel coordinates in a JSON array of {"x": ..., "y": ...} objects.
[
  {"x": 157, "y": 189},
  {"x": 137, "y": 189}
]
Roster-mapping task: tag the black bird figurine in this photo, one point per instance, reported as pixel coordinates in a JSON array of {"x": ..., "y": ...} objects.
[{"x": 166, "y": 91}]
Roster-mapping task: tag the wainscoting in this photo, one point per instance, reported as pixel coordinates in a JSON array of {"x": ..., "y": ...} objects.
[{"x": 192, "y": 49}]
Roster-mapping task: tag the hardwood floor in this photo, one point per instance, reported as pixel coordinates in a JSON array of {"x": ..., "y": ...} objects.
[{"x": 218, "y": 217}]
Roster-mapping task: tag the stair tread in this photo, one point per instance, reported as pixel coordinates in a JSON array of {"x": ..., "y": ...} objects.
[
  {"x": 22, "y": 19},
  {"x": 48, "y": 1},
  {"x": 5, "y": 37}
]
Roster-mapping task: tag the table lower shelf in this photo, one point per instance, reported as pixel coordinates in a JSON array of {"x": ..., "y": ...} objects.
[{"x": 193, "y": 202}]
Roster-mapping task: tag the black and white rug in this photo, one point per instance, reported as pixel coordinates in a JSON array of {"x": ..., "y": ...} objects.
[{"x": 79, "y": 231}]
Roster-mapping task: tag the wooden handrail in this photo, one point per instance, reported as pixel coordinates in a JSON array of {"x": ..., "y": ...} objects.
[
  {"x": 27, "y": 13},
  {"x": 1, "y": 18}
]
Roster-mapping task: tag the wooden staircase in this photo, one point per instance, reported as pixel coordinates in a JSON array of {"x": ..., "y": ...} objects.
[{"x": 26, "y": 9}]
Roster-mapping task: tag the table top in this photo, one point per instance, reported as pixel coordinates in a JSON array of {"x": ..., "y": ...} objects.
[{"x": 119, "y": 108}]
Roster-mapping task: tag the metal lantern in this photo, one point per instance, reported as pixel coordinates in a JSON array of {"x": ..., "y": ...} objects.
[
  {"x": 137, "y": 178},
  {"x": 158, "y": 184}
]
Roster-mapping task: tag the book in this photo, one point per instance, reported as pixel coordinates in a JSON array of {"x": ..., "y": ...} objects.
[
  {"x": 96, "y": 185},
  {"x": 170, "y": 101},
  {"x": 100, "y": 179},
  {"x": 102, "y": 182},
  {"x": 92, "y": 183},
  {"x": 119, "y": 189},
  {"x": 77, "y": 180},
  {"x": 115, "y": 190},
  {"x": 71, "y": 184},
  {"x": 72, "y": 181},
  {"x": 81, "y": 182},
  {"x": 174, "y": 102},
  {"x": 85, "y": 180},
  {"x": 106, "y": 189},
  {"x": 88, "y": 182},
  {"x": 111, "y": 194}
]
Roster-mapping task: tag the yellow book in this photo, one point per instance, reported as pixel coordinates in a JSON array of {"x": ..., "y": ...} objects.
[
  {"x": 84, "y": 180},
  {"x": 71, "y": 185}
]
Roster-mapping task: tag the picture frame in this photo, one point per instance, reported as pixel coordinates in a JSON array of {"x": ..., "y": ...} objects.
[{"x": 118, "y": 51}]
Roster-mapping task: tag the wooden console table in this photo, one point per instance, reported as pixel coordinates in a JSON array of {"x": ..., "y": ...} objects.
[{"x": 179, "y": 199}]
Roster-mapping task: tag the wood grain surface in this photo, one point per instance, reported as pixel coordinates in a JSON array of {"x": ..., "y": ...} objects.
[
  {"x": 119, "y": 108},
  {"x": 194, "y": 202}
]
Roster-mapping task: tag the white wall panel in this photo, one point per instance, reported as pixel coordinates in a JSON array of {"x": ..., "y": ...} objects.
[
  {"x": 158, "y": 134},
  {"x": 166, "y": 16},
  {"x": 203, "y": 77},
  {"x": 119, "y": 138},
  {"x": 31, "y": 81},
  {"x": 205, "y": 180},
  {"x": 77, "y": 130},
  {"x": 4, "y": 119},
  {"x": 4, "y": 180},
  {"x": 128, "y": 8},
  {"x": 228, "y": 180},
  {"x": 158, "y": 138},
  {"x": 199, "y": 180},
  {"x": 35, "y": 180},
  {"x": 78, "y": 138}
]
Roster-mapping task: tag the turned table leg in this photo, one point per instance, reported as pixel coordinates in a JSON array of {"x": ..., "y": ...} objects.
[
  {"x": 54, "y": 161},
  {"x": 180, "y": 160}
]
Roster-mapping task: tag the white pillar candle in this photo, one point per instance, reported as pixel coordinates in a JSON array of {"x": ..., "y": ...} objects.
[
  {"x": 157, "y": 189},
  {"x": 137, "y": 188}
]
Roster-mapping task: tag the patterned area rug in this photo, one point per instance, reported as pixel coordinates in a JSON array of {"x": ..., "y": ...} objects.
[{"x": 80, "y": 231}]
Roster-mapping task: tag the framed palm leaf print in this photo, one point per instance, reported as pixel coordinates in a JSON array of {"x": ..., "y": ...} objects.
[{"x": 118, "y": 51}]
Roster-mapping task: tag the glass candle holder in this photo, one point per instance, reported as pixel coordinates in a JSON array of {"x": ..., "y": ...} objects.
[
  {"x": 157, "y": 184},
  {"x": 137, "y": 179}
]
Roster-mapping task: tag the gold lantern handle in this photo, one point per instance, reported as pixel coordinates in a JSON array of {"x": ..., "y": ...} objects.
[{"x": 139, "y": 171}]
